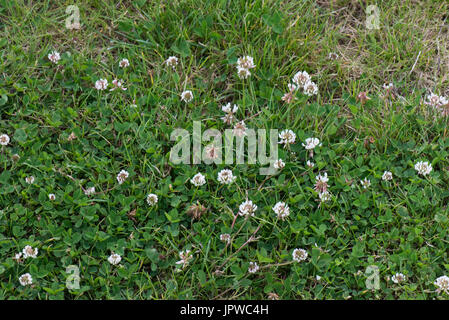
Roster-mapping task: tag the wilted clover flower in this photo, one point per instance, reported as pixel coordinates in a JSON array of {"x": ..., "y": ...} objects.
[
  {"x": 124, "y": 63},
  {"x": 4, "y": 139},
  {"x": 287, "y": 137},
  {"x": 442, "y": 283},
  {"x": 198, "y": 180},
  {"x": 290, "y": 95},
  {"x": 333, "y": 56},
  {"x": 321, "y": 183},
  {"x": 29, "y": 252},
  {"x": 239, "y": 129},
  {"x": 225, "y": 237},
  {"x": 185, "y": 256},
  {"x": 225, "y": 176},
  {"x": 310, "y": 164},
  {"x": 101, "y": 84},
  {"x": 253, "y": 267},
  {"x": 282, "y": 210},
  {"x": 122, "y": 176},
  {"x": 152, "y": 199},
  {"x": 299, "y": 255},
  {"x": 26, "y": 279},
  {"x": 398, "y": 278},
  {"x": 423, "y": 168},
  {"x": 387, "y": 176},
  {"x": 247, "y": 208},
  {"x": 114, "y": 259},
  {"x": 54, "y": 57},
  {"x": 187, "y": 96}
]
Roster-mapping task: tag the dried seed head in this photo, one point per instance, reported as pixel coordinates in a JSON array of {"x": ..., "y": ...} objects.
[{"x": 196, "y": 211}]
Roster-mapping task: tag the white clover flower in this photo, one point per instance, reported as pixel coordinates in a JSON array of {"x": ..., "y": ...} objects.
[
  {"x": 18, "y": 256},
  {"x": 299, "y": 255},
  {"x": 324, "y": 196},
  {"x": 279, "y": 164},
  {"x": 227, "y": 108},
  {"x": 387, "y": 176},
  {"x": 398, "y": 278},
  {"x": 152, "y": 199},
  {"x": 310, "y": 88},
  {"x": 292, "y": 87},
  {"x": 89, "y": 191},
  {"x": 187, "y": 96},
  {"x": 54, "y": 57},
  {"x": 243, "y": 73},
  {"x": 301, "y": 78},
  {"x": 52, "y": 197},
  {"x": 239, "y": 129},
  {"x": 322, "y": 178},
  {"x": 246, "y": 62},
  {"x": 253, "y": 267},
  {"x": 4, "y": 139},
  {"x": 287, "y": 137},
  {"x": 433, "y": 100},
  {"x": 282, "y": 210},
  {"x": 185, "y": 256},
  {"x": 29, "y": 252},
  {"x": 311, "y": 143},
  {"x": 388, "y": 86},
  {"x": 101, "y": 84},
  {"x": 423, "y": 168},
  {"x": 117, "y": 84},
  {"x": 247, "y": 208},
  {"x": 171, "y": 61},
  {"x": 26, "y": 279},
  {"x": 225, "y": 176},
  {"x": 122, "y": 176},
  {"x": 442, "y": 283},
  {"x": 310, "y": 164},
  {"x": 198, "y": 180},
  {"x": 365, "y": 183},
  {"x": 29, "y": 180},
  {"x": 443, "y": 101},
  {"x": 333, "y": 56},
  {"x": 114, "y": 259},
  {"x": 124, "y": 63},
  {"x": 225, "y": 237}
]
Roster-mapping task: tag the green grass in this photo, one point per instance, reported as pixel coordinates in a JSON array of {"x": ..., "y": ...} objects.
[{"x": 399, "y": 226}]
